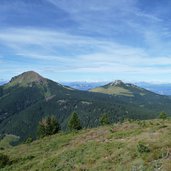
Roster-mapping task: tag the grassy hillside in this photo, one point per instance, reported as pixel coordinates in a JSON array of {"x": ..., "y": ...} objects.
[
  {"x": 139, "y": 145},
  {"x": 119, "y": 88},
  {"x": 113, "y": 90},
  {"x": 7, "y": 141}
]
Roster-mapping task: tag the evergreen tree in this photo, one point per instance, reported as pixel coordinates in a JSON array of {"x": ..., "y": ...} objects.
[
  {"x": 163, "y": 115},
  {"x": 54, "y": 125},
  {"x": 74, "y": 122},
  {"x": 42, "y": 128},
  {"x": 104, "y": 119},
  {"x": 48, "y": 126}
]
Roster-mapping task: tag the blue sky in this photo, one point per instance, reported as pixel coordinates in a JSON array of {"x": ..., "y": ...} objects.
[{"x": 86, "y": 40}]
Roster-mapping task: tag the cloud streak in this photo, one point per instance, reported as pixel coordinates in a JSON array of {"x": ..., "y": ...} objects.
[{"x": 102, "y": 57}]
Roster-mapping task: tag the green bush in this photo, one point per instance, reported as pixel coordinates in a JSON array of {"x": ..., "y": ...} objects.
[
  {"x": 4, "y": 160},
  {"x": 48, "y": 126},
  {"x": 141, "y": 123},
  {"x": 74, "y": 122},
  {"x": 163, "y": 115},
  {"x": 104, "y": 119},
  {"x": 142, "y": 148}
]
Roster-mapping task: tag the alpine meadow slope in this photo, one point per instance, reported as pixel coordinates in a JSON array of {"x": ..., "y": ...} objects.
[{"x": 135, "y": 145}]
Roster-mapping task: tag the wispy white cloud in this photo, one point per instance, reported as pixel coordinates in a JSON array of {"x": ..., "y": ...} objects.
[
  {"x": 115, "y": 37},
  {"x": 103, "y": 56},
  {"x": 121, "y": 21}
]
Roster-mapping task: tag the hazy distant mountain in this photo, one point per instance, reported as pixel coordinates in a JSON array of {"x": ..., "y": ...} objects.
[
  {"x": 2, "y": 82},
  {"x": 83, "y": 85},
  {"x": 163, "y": 89}
]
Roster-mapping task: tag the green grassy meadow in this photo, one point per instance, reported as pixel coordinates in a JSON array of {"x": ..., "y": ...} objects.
[{"x": 128, "y": 146}]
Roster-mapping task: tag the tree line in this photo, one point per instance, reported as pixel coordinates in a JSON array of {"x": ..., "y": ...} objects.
[{"x": 50, "y": 125}]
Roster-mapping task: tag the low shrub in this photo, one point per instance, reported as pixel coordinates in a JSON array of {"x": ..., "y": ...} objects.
[
  {"x": 4, "y": 160},
  {"x": 142, "y": 148}
]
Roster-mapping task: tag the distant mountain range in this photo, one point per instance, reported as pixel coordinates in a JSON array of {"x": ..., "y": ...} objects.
[
  {"x": 84, "y": 85},
  {"x": 2, "y": 82},
  {"x": 162, "y": 88},
  {"x": 29, "y": 97},
  {"x": 159, "y": 88}
]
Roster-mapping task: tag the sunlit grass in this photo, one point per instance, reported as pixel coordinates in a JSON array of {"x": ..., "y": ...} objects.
[{"x": 114, "y": 147}]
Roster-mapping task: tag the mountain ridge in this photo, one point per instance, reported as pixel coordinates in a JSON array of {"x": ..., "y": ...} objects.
[
  {"x": 159, "y": 88},
  {"x": 26, "y": 78},
  {"x": 119, "y": 88},
  {"x": 24, "y": 103}
]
